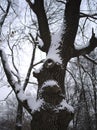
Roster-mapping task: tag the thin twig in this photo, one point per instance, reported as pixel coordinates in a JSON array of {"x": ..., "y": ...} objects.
[
  {"x": 61, "y": 1},
  {"x": 90, "y": 59},
  {"x": 31, "y": 65},
  {"x": 7, "y": 96}
]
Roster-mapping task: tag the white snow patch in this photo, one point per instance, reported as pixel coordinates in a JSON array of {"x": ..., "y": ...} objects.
[
  {"x": 19, "y": 124},
  {"x": 63, "y": 105},
  {"x": 71, "y": 124},
  {"x": 17, "y": 87},
  {"x": 81, "y": 46},
  {"x": 22, "y": 96},
  {"x": 50, "y": 83},
  {"x": 38, "y": 70},
  {"x": 54, "y": 52},
  {"x": 35, "y": 103},
  {"x": 41, "y": 44},
  {"x": 33, "y": 1}
]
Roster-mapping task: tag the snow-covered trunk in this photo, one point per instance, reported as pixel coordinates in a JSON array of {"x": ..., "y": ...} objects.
[{"x": 55, "y": 113}]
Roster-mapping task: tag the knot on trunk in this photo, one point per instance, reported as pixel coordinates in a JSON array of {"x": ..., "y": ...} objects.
[
  {"x": 49, "y": 66},
  {"x": 49, "y": 63}
]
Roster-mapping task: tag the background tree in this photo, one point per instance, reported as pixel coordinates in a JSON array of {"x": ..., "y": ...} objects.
[{"x": 8, "y": 116}]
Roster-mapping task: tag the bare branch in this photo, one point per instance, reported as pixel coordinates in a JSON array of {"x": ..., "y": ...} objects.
[
  {"x": 5, "y": 15},
  {"x": 8, "y": 95},
  {"x": 13, "y": 83},
  {"x": 92, "y": 45},
  {"x": 13, "y": 62},
  {"x": 61, "y": 1},
  {"x": 90, "y": 59},
  {"x": 38, "y": 63},
  {"x": 93, "y": 16},
  {"x": 7, "y": 70},
  {"x": 31, "y": 65},
  {"x": 2, "y": 9},
  {"x": 70, "y": 26}
]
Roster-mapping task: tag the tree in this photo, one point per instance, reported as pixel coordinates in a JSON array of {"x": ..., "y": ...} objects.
[
  {"x": 87, "y": 96},
  {"x": 52, "y": 110}
]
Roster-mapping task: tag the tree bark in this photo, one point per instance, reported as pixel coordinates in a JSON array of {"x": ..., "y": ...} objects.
[
  {"x": 19, "y": 117},
  {"x": 51, "y": 77},
  {"x": 50, "y": 120},
  {"x": 54, "y": 71}
]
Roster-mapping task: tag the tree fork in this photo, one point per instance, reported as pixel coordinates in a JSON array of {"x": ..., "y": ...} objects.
[{"x": 51, "y": 76}]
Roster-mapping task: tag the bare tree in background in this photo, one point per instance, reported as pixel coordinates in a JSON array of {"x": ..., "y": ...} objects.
[{"x": 54, "y": 113}]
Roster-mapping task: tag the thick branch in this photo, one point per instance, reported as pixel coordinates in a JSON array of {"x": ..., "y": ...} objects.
[
  {"x": 93, "y": 16},
  {"x": 90, "y": 59},
  {"x": 65, "y": 43},
  {"x": 62, "y": 45},
  {"x": 38, "y": 8},
  {"x": 71, "y": 21},
  {"x": 92, "y": 45},
  {"x": 8, "y": 73},
  {"x": 5, "y": 15},
  {"x": 31, "y": 66},
  {"x": 61, "y": 1},
  {"x": 13, "y": 83}
]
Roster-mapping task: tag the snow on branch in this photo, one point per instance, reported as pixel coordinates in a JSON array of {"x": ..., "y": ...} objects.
[
  {"x": 63, "y": 105},
  {"x": 54, "y": 51},
  {"x": 39, "y": 10},
  {"x": 28, "y": 101}
]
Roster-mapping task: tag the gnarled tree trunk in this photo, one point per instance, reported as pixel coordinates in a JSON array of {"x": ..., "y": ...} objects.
[{"x": 52, "y": 114}]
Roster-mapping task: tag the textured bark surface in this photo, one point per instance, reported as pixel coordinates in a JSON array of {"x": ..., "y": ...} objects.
[
  {"x": 47, "y": 118},
  {"x": 19, "y": 118},
  {"x": 50, "y": 120}
]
